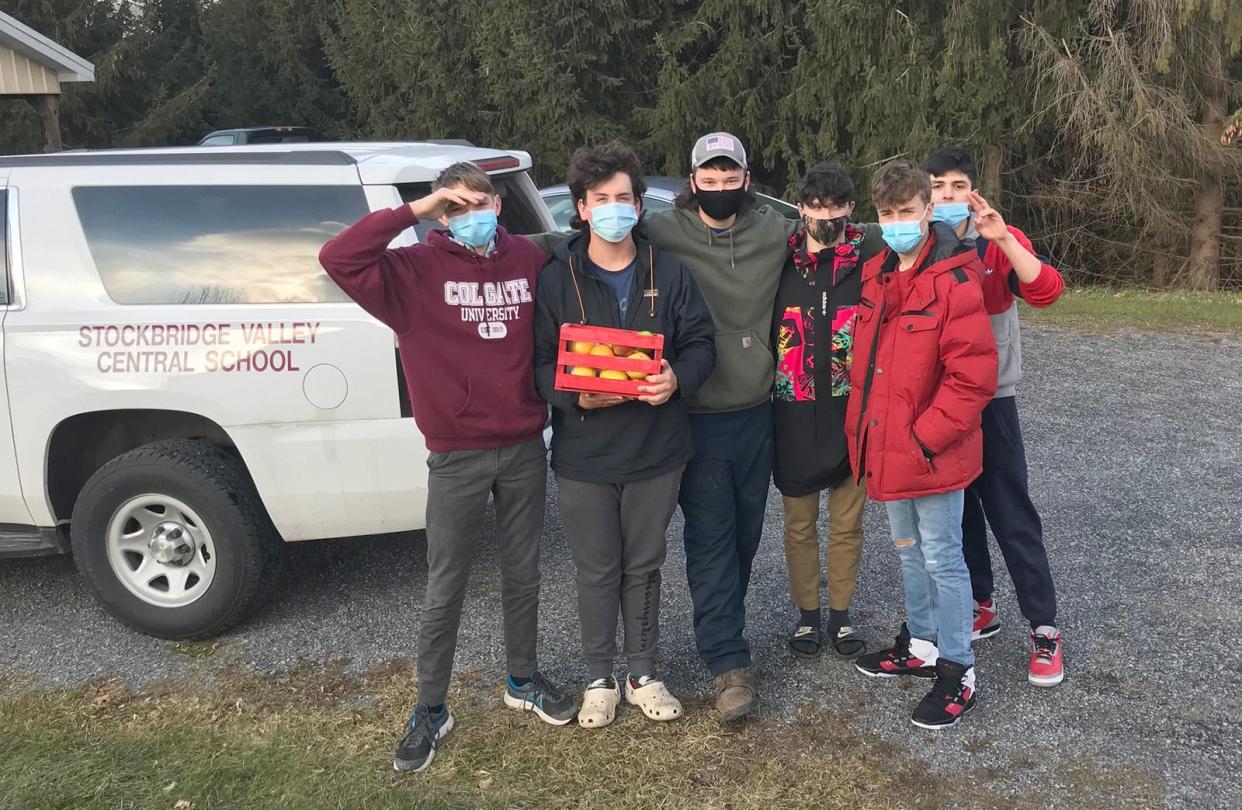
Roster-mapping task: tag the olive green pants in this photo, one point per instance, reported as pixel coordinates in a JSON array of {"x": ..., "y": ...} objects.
[{"x": 845, "y": 511}]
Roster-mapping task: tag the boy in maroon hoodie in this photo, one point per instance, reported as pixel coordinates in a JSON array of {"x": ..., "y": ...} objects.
[
  {"x": 472, "y": 387},
  {"x": 924, "y": 368}
]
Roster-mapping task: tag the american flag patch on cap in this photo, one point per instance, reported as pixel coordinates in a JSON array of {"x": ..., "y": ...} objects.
[{"x": 720, "y": 142}]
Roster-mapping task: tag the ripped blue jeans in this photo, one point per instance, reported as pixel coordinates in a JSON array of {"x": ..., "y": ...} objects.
[{"x": 928, "y": 534}]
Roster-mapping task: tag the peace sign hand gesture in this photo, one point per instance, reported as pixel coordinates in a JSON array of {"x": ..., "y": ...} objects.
[{"x": 988, "y": 221}]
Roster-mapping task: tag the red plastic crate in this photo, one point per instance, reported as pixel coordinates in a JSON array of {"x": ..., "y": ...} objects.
[{"x": 566, "y": 359}]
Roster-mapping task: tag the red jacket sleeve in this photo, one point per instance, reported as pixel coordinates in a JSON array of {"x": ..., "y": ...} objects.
[
  {"x": 1047, "y": 286},
  {"x": 384, "y": 282},
  {"x": 968, "y": 354}
]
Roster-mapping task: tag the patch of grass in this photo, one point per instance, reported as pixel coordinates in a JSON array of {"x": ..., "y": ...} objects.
[
  {"x": 1100, "y": 309},
  {"x": 315, "y": 738}
]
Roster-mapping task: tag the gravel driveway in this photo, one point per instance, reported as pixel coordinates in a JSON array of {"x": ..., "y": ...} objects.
[{"x": 1133, "y": 445}]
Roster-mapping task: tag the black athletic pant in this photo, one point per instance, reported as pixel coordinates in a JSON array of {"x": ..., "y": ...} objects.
[{"x": 1000, "y": 493}]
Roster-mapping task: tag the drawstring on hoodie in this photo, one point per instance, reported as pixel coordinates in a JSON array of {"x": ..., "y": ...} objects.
[
  {"x": 574, "y": 278},
  {"x": 651, "y": 284},
  {"x": 711, "y": 241},
  {"x": 651, "y": 266}
]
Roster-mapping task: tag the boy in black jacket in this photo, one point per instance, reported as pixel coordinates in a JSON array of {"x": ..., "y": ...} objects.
[
  {"x": 618, "y": 462},
  {"x": 813, "y": 341}
]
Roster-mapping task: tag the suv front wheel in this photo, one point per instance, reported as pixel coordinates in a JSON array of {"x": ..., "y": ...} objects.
[{"x": 174, "y": 540}]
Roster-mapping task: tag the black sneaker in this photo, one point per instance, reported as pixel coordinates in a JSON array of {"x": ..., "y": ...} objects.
[
  {"x": 542, "y": 697},
  {"x": 951, "y": 697},
  {"x": 423, "y": 735},
  {"x": 900, "y": 659}
]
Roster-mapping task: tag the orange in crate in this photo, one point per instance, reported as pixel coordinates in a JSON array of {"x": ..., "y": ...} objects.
[{"x": 577, "y": 351}]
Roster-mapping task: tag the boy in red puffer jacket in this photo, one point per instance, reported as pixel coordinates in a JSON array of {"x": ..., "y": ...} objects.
[{"x": 925, "y": 366}]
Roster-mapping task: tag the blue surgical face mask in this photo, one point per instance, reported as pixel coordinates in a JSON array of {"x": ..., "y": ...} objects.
[
  {"x": 902, "y": 235},
  {"x": 614, "y": 221},
  {"x": 951, "y": 212},
  {"x": 474, "y": 228}
]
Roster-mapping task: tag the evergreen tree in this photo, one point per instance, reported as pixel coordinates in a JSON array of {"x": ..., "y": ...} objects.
[
  {"x": 269, "y": 66},
  {"x": 1138, "y": 98}
]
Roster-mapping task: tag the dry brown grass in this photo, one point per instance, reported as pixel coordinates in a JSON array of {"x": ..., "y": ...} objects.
[{"x": 317, "y": 738}]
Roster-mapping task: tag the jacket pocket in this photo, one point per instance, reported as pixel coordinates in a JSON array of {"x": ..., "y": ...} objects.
[
  {"x": 743, "y": 375},
  {"x": 866, "y": 310},
  {"x": 916, "y": 322},
  {"x": 924, "y": 454},
  {"x": 489, "y": 411}
]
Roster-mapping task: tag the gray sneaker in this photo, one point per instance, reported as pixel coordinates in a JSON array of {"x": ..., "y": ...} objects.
[
  {"x": 542, "y": 697},
  {"x": 422, "y": 736}
]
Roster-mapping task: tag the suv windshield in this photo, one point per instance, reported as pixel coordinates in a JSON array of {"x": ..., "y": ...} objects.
[{"x": 517, "y": 215}]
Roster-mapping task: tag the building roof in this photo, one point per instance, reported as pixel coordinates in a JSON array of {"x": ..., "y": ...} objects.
[{"x": 69, "y": 67}]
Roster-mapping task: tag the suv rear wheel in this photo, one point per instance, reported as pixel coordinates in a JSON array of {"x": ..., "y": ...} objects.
[{"x": 174, "y": 540}]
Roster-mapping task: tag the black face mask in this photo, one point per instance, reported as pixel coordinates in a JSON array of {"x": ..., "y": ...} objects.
[
  {"x": 720, "y": 204},
  {"x": 825, "y": 231}
]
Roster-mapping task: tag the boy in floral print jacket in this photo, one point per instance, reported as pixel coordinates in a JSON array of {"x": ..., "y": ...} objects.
[{"x": 812, "y": 338}]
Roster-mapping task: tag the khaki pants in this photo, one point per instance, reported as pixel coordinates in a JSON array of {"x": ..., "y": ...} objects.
[{"x": 845, "y": 510}]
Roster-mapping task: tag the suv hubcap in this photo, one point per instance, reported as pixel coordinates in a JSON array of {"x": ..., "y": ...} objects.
[{"x": 160, "y": 550}]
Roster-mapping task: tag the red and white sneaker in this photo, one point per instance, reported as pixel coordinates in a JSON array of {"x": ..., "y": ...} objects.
[
  {"x": 987, "y": 620},
  {"x": 1047, "y": 667}
]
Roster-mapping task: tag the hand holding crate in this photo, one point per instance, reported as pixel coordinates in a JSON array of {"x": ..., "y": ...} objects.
[{"x": 598, "y": 360}]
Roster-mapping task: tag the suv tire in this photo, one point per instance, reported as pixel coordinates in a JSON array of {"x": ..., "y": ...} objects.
[{"x": 223, "y": 542}]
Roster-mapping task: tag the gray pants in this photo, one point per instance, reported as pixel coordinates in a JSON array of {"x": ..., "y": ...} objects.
[
  {"x": 457, "y": 490},
  {"x": 616, "y": 535}
]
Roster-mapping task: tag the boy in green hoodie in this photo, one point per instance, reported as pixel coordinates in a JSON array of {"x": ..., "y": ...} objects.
[{"x": 735, "y": 254}]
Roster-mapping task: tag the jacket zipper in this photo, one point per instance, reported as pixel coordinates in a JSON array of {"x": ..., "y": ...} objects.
[{"x": 866, "y": 392}]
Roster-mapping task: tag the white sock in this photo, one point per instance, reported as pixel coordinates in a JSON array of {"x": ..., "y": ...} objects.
[{"x": 925, "y": 651}]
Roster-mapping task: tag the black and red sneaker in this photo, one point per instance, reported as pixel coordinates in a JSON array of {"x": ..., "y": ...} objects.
[
  {"x": 907, "y": 656},
  {"x": 987, "y": 620},
  {"x": 953, "y": 695}
]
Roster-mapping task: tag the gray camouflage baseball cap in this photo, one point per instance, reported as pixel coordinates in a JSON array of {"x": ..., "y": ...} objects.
[{"x": 718, "y": 144}]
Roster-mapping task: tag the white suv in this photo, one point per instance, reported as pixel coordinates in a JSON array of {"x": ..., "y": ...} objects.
[{"x": 183, "y": 387}]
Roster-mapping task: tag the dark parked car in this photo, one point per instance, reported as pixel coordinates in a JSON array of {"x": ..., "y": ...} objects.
[
  {"x": 237, "y": 137},
  {"x": 661, "y": 191}
]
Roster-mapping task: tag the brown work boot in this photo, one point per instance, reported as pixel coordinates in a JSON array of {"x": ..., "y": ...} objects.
[{"x": 735, "y": 693}]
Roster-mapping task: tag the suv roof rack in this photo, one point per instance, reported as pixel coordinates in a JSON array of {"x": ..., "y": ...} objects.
[{"x": 107, "y": 157}]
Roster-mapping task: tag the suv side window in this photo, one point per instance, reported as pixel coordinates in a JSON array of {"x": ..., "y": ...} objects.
[
  {"x": 4, "y": 247},
  {"x": 215, "y": 244},
  {"x": 219, "y": 140},
  {"x": 517, "y": 215}
]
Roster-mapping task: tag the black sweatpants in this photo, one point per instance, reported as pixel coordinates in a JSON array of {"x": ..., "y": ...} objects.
[
  {"x": 724, "y": 498},
  {"x": 1000, "y": 493}
]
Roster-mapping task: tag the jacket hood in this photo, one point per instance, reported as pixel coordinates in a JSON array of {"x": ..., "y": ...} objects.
[
  {"x": 944, "y": 253},
  {"x": 691, "y": 221},
  {"x": 947, "y": 244},
  {"x": 576, "y": 246},
  {"x": 443, "y": 238}
]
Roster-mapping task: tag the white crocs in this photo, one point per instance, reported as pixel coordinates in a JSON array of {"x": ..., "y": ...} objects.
[
  {"x": 653, "y": 698},
  {"x": 599, "y": 704}
]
